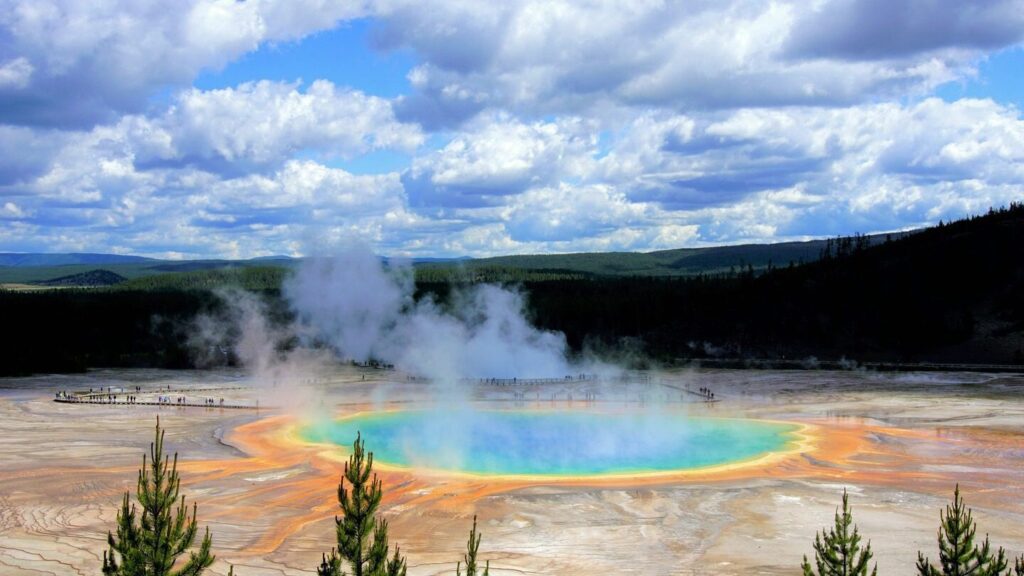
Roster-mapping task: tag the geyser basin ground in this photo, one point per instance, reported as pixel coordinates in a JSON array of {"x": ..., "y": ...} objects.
[
  {"x": 555, "y": 443},
  {"x": 897, "y": 442}
]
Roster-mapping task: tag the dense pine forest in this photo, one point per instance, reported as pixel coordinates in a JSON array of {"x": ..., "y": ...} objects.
[{"x": 950, "y": 293}]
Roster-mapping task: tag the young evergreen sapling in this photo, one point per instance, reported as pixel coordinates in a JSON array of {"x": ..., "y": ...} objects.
[
  {"x": 838, "y": 552},
  {"x": 958, "y": 553},
  {"x": 149, "y": 544},
  {"x": 470, "y": 557},
  {"x": 362, "y": 537}
]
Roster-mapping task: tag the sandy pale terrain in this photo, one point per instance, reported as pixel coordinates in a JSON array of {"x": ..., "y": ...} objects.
[{"x": 897, "y": 442}]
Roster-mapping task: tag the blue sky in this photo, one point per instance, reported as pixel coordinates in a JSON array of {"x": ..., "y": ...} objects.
[
  {"x": 343, "y": 55},
  {"x": 244, "y": 129},
  {"x": 999, "y": 76}
]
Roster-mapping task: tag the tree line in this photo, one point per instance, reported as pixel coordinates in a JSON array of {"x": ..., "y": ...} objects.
[
  {"x": 951, "y": 293},
  {"x": 931, "y": 295}
]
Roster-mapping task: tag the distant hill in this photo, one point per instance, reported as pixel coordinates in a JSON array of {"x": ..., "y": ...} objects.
[
  {"x": 196, "y": 265},
  {"x": 952, "y": 293},
  {"x": 43, "y": 259},
  {"x": 143, "y": 268},
  {"x": 271, "y": 258},
  {"x": 663, "y": 263},
  {"x": 250, "y": 277},
  {"x": 91, "y": 278},
  {"x": 37, "y": 274},
  {"x": 428, "y": 260},
  {"x": 38, "y": 268}
]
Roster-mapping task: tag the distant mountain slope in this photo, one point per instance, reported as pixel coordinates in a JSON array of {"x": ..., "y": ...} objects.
[
  {"x": 254, "y": 278},
  {"x": 97, "y": 277},
  {"x": 950, "y": 293},
  {"x": 677, "y": 262},
  {"x": 197, "y": 265},
  {"x": 131, "y": 270},
  {"x": 43, "y": 259},
  {"x": 37, "y": 274},
  {"x": 36, "y": 268}
]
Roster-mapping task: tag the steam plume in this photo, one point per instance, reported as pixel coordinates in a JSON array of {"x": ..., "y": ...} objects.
[{"x": 364, "y": 310}]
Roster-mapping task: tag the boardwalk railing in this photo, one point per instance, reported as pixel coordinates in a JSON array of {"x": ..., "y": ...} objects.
[
  {"x": 816, "y": 364},
  {"x": 190, "y": 404},
  {"x": 159, "y": 396},
  {"x": 638, "y": 378}
]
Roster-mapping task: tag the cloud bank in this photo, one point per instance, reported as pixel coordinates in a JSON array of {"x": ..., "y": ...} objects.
[{"x": 525, "y": 126}]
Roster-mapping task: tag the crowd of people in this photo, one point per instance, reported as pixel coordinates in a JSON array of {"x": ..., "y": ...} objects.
[
  {"x": 65, "y": 396},
  {"x": 184, "y": 401},
  {"x": 112, "y": 398}
]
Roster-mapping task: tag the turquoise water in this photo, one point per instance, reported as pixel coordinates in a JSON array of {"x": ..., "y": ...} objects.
[{"x": 570, "y": 443}]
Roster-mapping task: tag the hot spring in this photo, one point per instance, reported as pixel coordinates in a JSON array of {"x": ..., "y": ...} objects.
[{"x": 555, "y": 443}]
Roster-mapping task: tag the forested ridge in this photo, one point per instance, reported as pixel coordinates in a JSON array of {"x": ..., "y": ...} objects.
[{"x": 950, "y": 293}]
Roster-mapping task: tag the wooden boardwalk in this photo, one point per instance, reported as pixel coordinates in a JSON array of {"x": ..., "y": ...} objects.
[
  {"x": 805, "y": 364},
  {"x": 122, "y": 390},
  {"x": 162, "y": 396},
  {"x": 625, "y": 378},
  {"x": 701, "y": 395}
]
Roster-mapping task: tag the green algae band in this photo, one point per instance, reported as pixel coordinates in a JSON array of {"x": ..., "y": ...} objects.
[{"x": 565, "y": 443}]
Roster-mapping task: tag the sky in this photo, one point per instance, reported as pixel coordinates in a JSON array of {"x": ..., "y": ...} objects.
[{"x": 445, "y": 128}]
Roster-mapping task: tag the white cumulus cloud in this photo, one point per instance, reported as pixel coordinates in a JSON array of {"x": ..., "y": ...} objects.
[
  {"x": 79, "y": 63},
  {"x": 15, "y": 73},
  {"x": 546, "y": 57},
  {"x": 268, "y": 122}
]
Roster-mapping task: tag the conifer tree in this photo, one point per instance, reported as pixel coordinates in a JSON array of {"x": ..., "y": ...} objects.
[
  {"x": 958, "y": 554},
  {"x": 149, "y": 544},
  {"x": 470, "y": 557},
  {"x": 838, "y": 553},
  {"x": 362, "y": 537}
]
